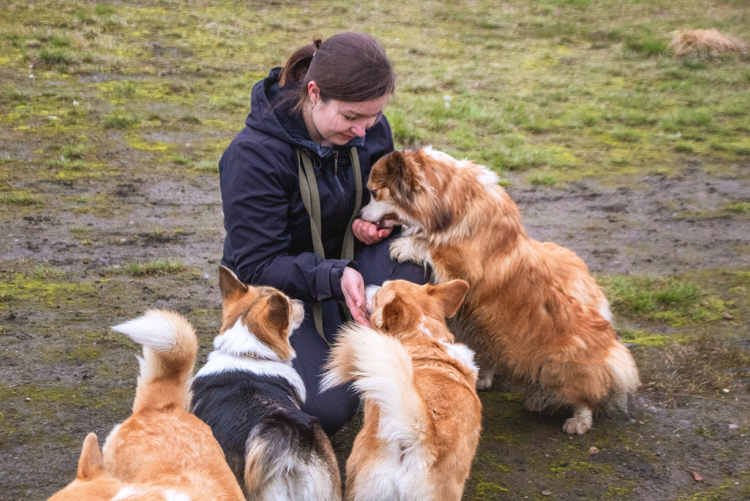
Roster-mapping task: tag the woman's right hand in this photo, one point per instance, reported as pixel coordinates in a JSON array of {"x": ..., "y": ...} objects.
[
  {"x": 369, "y": 233},
  {"x": 353, "y": 287}
]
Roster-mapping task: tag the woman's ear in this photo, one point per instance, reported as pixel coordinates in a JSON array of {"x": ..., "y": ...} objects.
[{"x": 313, "y": 92}]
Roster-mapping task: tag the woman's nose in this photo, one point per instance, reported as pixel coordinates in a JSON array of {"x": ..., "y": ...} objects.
[{"x": 359, "y": 129}]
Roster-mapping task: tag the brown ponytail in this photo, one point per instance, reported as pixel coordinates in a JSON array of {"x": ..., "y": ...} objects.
[{"x": 349, "y": 67}]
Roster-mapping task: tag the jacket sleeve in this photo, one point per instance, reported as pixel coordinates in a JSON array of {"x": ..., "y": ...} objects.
[{"x": 256, "y": 206}]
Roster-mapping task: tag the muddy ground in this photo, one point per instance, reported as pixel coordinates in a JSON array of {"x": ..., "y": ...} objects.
[{"x": 64, "y": 374}]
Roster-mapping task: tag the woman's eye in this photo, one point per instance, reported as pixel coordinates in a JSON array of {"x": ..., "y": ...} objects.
[{"x": 350, "y": 119}]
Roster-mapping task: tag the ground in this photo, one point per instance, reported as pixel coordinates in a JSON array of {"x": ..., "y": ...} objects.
[{"x": 636, "y": 160}]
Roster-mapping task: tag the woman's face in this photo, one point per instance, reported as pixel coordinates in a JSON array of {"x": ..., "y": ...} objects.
[{"x": 337, "y": 122}]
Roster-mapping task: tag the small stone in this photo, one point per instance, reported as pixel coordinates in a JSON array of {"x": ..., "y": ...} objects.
[
  {"x": 546, "y": 493},
  {"x": 31, "y": 77},
  {"x": 593, "y": 450},
  {"x": 728, "y": 316},
  {"x": 27, "y": 399}
]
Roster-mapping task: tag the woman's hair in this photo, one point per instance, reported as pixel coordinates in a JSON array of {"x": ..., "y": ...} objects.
[{"x": 350, "y": 67}]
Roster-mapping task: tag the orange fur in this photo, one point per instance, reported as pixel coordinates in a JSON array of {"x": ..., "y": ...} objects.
[
  {"x": 161, "y": 452},
  {"x": 533, "y": 310},
  {"x": 422, "y": 413}
]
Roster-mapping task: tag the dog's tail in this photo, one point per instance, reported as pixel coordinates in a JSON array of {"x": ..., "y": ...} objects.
[
  {"x": 382, "y": 369},
  {"x": 169, "y": 351},
  {"x": 625, "y": 378}
]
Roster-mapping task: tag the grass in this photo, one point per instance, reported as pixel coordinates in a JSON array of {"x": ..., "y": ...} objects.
[
  {"x": 74, "y": 151},
  {"x": 697, "y": 365},
  {"x": 738, "y": 207},
  {"x": 156, "y": 267},
  {"x": 668, "y": 299},
  {"x": 120, "y": 121},
  {"x": 22, "y": 198}
]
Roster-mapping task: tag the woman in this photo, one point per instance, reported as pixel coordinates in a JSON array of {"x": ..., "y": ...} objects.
[{"x": 318, "y": 119}]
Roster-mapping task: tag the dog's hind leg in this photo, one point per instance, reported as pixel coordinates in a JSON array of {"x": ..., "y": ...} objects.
[{"x": 581, "y": 421}]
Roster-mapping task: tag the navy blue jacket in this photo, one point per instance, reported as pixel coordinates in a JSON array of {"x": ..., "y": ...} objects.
[{"x": 268, "y": 239}]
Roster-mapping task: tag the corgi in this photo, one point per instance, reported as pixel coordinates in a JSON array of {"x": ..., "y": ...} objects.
[
  {"x": 161, "y": 452},
  {"x": 250, "y": 396},
  {"x": 422, "y": 416},
  {"x": 532, "y": 311}
]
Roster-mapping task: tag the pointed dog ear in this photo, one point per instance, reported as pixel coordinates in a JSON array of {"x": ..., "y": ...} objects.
[
  {"x": 91, "y": 463},
  {"x": 230, "y": 286},
  {"x": 393, "y": 316},
  {"x": 451, "y": 295},
  {"x": 278, "y": 312}
]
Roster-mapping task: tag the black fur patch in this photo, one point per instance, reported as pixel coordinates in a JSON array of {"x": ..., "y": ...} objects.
[{"x": 234, "y": 403}]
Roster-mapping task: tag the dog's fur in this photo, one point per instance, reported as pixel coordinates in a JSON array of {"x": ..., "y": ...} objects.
[
  {"x": 532, "y": 309},
  {"x": 161, "y": 452},
  {"x": 422, "y": 414},
  {"x": 250, "y": 395}
]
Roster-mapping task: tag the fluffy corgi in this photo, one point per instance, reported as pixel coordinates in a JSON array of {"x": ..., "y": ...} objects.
[
  {"x": 161, "y": 452},
  {"x": 533, "y": 310},
  {"x": 250, "y": 396},
  {"x": 422, "y": 414}
]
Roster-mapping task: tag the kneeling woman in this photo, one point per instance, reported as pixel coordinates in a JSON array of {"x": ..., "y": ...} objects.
[{"x": 292, "y": 184}]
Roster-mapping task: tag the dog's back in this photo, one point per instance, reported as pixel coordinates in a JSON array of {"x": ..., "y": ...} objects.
[
  {"x": 161, "y": 443},
  {"x": 421, "y": 423},
  {"x": 274, "y": 449}
]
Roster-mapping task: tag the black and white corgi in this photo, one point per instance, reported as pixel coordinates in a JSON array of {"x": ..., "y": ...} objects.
[{"x": 250, "y": 396}]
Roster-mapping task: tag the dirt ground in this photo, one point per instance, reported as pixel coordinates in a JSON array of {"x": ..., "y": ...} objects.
[{"x": 64, "y": 374}]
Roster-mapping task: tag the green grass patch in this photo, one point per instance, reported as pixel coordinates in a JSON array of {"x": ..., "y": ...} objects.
[
  {"x": 120, "y": 121},
  {"x": 206, "y": 166},
  {"x": 542, "y": 180},
  {"x": 74, "y": 151},
  {"x": 738, "y": 207},
  {"x": 647, "y": 46},
  {"x": 156, "y": 267},
  {"x": 669, "y": 299},
  {"x": 21, "y": 197}
]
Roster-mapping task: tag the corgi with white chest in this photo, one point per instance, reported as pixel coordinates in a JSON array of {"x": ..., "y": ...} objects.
[{"x": 250, "y": 396}]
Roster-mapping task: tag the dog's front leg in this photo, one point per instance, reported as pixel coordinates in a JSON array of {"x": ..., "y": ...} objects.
[{"x": 411, "y": 248}]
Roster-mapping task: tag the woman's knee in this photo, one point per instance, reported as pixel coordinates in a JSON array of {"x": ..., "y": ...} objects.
[{"x": 333, "y": 408}]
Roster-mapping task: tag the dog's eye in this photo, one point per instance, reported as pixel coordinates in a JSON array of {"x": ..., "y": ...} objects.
[{"x": 374, "y": 193}]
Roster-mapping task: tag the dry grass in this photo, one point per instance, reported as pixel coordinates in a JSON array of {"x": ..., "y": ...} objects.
[
  {"x": 711, "y": 42},
  {"x": 701, "y": 365}
]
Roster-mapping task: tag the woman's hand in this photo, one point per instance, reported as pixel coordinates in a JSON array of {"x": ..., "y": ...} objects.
[
  {"x": 353, "y": 287},
  {"x": 368, "y": 233}
]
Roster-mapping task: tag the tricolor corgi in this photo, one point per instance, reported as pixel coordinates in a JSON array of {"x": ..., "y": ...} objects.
[{"x": 250, "y": 396}]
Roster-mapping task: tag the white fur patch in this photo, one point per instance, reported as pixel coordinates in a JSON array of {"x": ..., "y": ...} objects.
[
  {"x": 370, "y": 292},
  {"x": 423, "y": 328},
  {"x": 153, "y": 330},
  {"x": 125, "y": 493},
  {"x": 219, "y": 363},
  {"x": 240, "y": 341},
  {"x": 440, "y": 156},
  {"x": 463, "y": 354},
  {"x": 374, "y": 211},
  {"x": 605, "y": 311},
  {"x": 171, "y": 495}
]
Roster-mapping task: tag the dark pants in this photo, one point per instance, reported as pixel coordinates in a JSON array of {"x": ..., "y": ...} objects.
[{"x": 335, "y": 407}]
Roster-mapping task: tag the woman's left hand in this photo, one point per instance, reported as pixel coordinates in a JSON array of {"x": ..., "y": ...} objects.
[{"x": 368, "y": 233}]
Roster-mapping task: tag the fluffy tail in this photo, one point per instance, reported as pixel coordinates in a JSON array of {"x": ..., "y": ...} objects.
[
  {"x": 169, "y": 351},
  {"x": 382, "y": 369},
  {"x": 625, "y": 378}
]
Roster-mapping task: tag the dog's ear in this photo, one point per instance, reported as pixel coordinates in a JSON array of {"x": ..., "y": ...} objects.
[
  {"x": 451, "y": 295},
  {"x": 393, "y": 316},
  {"x": 91, "y": 463},
  {"x": 401, "y": 170},
  {"x": 230, "y": 286},
  {"x": 278, "y": 312}
]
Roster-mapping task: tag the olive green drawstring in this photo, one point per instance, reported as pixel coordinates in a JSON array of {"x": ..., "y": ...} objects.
[{"x": 308, "y": 187}]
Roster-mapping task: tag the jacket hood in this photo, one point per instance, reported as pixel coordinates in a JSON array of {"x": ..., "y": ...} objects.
[{"x": 282, "y": 122}]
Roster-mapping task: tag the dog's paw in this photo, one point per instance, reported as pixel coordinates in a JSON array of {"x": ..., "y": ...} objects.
[
  {"x": 579, "y": 423},
  {"x": 403, "y": 249}
]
